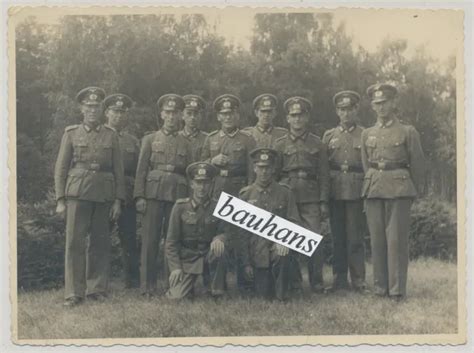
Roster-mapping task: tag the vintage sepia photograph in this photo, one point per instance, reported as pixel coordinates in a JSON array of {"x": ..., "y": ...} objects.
[{"x": 237, "y": 175}]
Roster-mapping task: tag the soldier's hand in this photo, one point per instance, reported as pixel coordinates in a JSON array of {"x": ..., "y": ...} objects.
[
  {"x": 281, "y": 250},
  {"x": 217, "y": 247},
  {"x": 324, "y": 210},
  {"x": 176, "y": 276},
  {"x": 115, "y": 211},
  {"x": 248, "y": 271},
  {"x": 61, "y": 207},
  {"x": 220, "y": 160},
  {"x": 140, "y": 205}
]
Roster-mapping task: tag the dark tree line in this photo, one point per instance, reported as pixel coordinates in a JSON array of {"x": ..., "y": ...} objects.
[{"x": 146, "y": 56}]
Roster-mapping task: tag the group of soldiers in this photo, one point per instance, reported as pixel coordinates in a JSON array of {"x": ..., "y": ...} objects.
[{"x": 174, "y": 176}]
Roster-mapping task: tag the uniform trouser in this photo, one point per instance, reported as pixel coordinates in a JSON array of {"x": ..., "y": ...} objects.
[
  {"x": 389, "y": 227},
  {"x": 347, "y": 228},
  {"x": 311, "y": 215},
  {"x": 154, "y": 224},
  {"x": 273, "y": 281},
  {"x": 87, "y": 259},
  {"x": 217, "y": 272},
  {"x": 127, "y": 231}
]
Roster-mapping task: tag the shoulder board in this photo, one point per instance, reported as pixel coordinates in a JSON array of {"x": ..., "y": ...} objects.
[
  {"x": 247, "y": 133},
  {"x": 285, "y": 185},
  {"x": 280, "y": 128},
  {"x": 244, "y": 189},
  {"x": 71, "y": 127},
  {"x": 313, "y": 136},
  {"x": 213, "y": 133},
  {"x": 204, "y": 133},
  {"x": 148, "y": 132},
  {"x": 108, "y": 128},
  {"x": 281, "y": 138},
  {"x": 184, "y": 200}
]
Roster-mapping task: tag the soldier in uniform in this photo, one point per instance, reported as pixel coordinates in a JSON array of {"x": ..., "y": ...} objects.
[
  {"x": 195, "y": 237},
  {"x": 159, "y": 182},
  {"x": 393, "y": 162},
  {"x": 116, "y": 108},
  {"x": 193, "y": 114},
  {"x": 89, "y": 185},
  {"x": 305, "y": 169},
  {"x": 264, "y": 133},
  {"x": 265, "y": 261},
  {"x": 228, "y": 149},
  {"x": 346, "y": 206}
]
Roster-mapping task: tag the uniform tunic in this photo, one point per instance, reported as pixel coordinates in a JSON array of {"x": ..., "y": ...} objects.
[
  {"x": 305, "y": 168},
  {"x": 196, "y": 140},
  {"x": 346, "y": 206},
  {"x": 271, "y": 271},
  {"x": 394, "y": 167},
  {"x": 89, "y": 175},
  {"x": 265, "y": 138},
  {"x": 161, "y": 180},
  {"x": 191, "y": 230}
]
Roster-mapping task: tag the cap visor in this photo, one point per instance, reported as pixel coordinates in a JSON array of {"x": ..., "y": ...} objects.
[
  {"x": 198, "y": 177},
  {"x": 343, "y": 105},
  {"x": 227, "y": 110},
  {"x": 378, "y": 100},
  {"x": 266, "y": 109}
]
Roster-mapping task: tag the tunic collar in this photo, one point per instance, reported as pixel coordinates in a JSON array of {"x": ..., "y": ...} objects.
[
  {"x": 261, "y": 188},
  {"x": 387, "y": 124},
  {"x": 89, "y": 129},
  {"x": 350, "y": 129},
  {"x": 195, "y": 205},
  {"x": 120, "y": 133},
  {"x": 190, "y": 134},
  {"x": 265, "y": 131},
  {"x": 231, "y": 134},
  {"x": 302, "y": 136},
  {"x": 168, "y": 133}
]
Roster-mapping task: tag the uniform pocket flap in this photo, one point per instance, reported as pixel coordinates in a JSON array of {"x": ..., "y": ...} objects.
[
  {"x": 157, "y": 146},
  {"x": 371, "y": 141},
  {"x": 77, "y": 172}
]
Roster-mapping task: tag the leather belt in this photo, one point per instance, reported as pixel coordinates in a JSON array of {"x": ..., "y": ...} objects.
[
  {"x": 196, "y": 244},
  {"x": 96, "y": 167},
  {"x": 386, "y": 165},
  {"x": 301, "y": 174},
  {"x": 346, "y": 168},
  {"x": 228, "y": 173},
  {"x": 170, "y": 168}
]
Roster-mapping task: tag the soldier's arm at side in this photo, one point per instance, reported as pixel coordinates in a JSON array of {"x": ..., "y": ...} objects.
[
  {"x": 61, "y": 168},
  {"x": 417, "y": 159},
  {"x": 142, "y": 168},
  {"x": 363, "y": 151},
  {"x": 172, "y": 244},
  {"x": 206, "y": 150},
  {"x": 251, "y": 145},
  {"x": 118, "y": 168},
  {"x": 323, "y": 175},
  {"x": 293, "y": 214}
]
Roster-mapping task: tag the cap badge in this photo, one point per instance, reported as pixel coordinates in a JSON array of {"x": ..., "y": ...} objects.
[
  {"x": 346, "y": 100},
  {"x": 119, "y": 103},
  {"x": 226, "y": 104},
  {"x": 296, "y": 106},
  {"x": 378, "y": 93},
  {"x": 264, "y": 156},
  {"x": 267, "y": 103},
  {"x": 93, "y": 96},
  {"x": 171, "y": 103},
  {"x": 193, "y": 103},
  {"x": 202, "y": 171}
]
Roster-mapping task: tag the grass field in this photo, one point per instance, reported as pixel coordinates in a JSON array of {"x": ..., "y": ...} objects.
[{"x": 431, "y": 308}]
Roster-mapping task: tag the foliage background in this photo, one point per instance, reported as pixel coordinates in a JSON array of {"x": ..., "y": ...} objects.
[{"x": 146, "y": 56}]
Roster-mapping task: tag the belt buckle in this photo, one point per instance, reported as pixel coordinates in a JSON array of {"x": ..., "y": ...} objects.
[
  {"x": 302, "y": 174},
  {"x": 95, "y": 166},
  {"x": 381, "y": 165},
  {"x": 344, "y": 168},
  {"x": 169, "y": 167},
  {"x": 224, "y": 173}
]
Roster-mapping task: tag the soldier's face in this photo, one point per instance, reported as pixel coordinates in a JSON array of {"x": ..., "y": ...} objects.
[
  {"x": 201, "y": 189},
  {"x": 115, "y": 118},
  {"x": 263, "y": 173},
  {"x": 229, "y": 120},
  {"x": 171, "y": 119},
  {"x": 265, "y": 117},
  {"x": 192, "y": 118},
  {"x": 298, "y": 121},
  {"x": 91, "y": 113},
  {"x": 347, "y": 114},
  {"x": 383, "y": 109}
]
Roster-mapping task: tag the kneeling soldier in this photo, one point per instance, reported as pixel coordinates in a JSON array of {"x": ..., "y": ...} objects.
[
  {"x": 266, "y": 261},
  {"x": 194, "y": 237}
]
